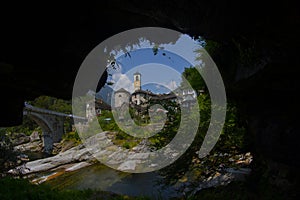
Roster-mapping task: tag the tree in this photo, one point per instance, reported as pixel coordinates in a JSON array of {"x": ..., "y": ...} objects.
[{"x": 194, "y": 78}]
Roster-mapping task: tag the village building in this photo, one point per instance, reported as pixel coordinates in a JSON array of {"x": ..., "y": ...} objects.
[{"x": 142, "y": 97}]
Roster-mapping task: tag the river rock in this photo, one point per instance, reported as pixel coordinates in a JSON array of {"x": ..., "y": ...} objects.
[
  {"x": 31, "y": 146},
  {"x": 223, "y": 179},
  {"x": 34, "y": 136},
  {"x": 20, "y": 138},
  {"x": 76, "y": 154},
  {"x": 139, "y": 156},
  {"x": 73, "y": 155},
  {"x": 66, "y": 145},
  {"x": 78, "y": 166},
  {"x": 129, "y": 165},
  {"x": 99, "y": 146}
]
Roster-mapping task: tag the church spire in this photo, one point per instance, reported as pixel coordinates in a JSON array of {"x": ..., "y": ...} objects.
[{"x": 137, "y": 81}]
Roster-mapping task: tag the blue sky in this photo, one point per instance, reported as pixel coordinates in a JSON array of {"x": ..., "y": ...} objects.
[{"x": 161, "y": 72}]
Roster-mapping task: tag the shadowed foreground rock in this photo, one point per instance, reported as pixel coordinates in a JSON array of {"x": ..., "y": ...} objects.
[{"x": 258, "y": 58}]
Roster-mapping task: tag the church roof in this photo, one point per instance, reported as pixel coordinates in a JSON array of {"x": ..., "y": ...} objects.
[
  {"x": 137, "y": 73},
  {"x": 156, "y": 96},
  {"x": 121, "y": 90},
  {"x": 142, "y": 92}
]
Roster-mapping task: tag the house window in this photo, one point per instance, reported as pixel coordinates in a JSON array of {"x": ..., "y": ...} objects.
[{"x": 120, "y": 95}]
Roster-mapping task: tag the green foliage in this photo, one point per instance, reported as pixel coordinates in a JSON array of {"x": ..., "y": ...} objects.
[
  {"x": 7, "y": 155},
  {"x": 79, "y": 104},
  {"x": 107, "y": 125},
  {"x": 126, "y": 140},
  {"x": 52, "y": 103},
  {"x": 231, "y": 138},
  {"x": 126, "y": 145},
  {"x": 27, "y": 127},
  {"x": 155, "y": 49},
  {"x": 211, "y": 47},
  {"x": 247, "y": 54},
  {"x": 164, "y": 136},
  {"x": 101, "y": 124},
  {"x": 233, "y": 135},
  {"x": 129, "y": 144},
  {"x": 72, "y": 136},
  {"x": 22, "y": 189},
  {"x": 193, "y": 78},
  {"x": 233, "y": 131},
  {"x": 55, "y": 104}
]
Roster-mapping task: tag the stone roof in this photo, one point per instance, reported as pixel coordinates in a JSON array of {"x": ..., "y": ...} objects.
[
  {"x": 144, "y": 92},
  {"x": 122, "y": 90},
  {"x": 156, "y": 96}
]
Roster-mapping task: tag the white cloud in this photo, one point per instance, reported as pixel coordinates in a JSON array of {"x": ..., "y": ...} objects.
[
  {"x": 122, "y": 81},
  {"x": 172, "y": 85},
  {"x": 185, "y": 46}
]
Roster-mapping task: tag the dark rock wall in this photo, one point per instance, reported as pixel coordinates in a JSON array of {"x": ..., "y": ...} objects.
[{"x": 42, "y": 47}]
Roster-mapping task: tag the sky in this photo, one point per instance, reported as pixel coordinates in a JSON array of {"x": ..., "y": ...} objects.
[{"x": 160, "y": 73}]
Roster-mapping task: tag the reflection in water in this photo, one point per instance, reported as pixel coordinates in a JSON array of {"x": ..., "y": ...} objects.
[{"x": 100, "y": 177}]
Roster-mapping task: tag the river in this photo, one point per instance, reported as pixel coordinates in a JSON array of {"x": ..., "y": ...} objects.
[{"x": 100, "y": 177}]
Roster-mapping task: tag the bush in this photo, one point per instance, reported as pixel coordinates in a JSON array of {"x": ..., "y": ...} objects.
[
  {"x": 126, "y": 145},
  {"x": 72, "y": 136}
]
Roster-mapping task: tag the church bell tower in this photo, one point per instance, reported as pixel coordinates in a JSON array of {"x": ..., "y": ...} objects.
[{"x": 137, "y": 81}]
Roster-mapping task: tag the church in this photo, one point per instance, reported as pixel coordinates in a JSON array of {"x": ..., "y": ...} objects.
[
  {"x": 142, "y": 97},
  {"x": 139, "y": 97}
]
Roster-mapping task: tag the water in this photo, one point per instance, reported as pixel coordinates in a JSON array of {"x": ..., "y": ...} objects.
[{"x": 100, "y": 177}]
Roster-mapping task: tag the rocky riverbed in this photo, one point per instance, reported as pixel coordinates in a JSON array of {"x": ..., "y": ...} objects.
[
  {"x": 234, "y": 167},
  {"x": 22, "y": 142},
  {"x": 100, "y": 146}
]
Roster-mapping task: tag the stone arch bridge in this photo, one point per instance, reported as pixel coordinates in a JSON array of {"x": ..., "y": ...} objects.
[{"x": 51, "y": 122}]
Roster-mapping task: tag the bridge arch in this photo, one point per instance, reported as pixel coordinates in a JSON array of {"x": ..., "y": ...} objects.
[
  {"x": 41, "y": 121},
  {"x": 51, "y": 122},
  {"x": 52, "y": 128}
]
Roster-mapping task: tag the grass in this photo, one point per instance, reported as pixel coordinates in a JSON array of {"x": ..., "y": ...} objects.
[{"x": 11, "y": 188}]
